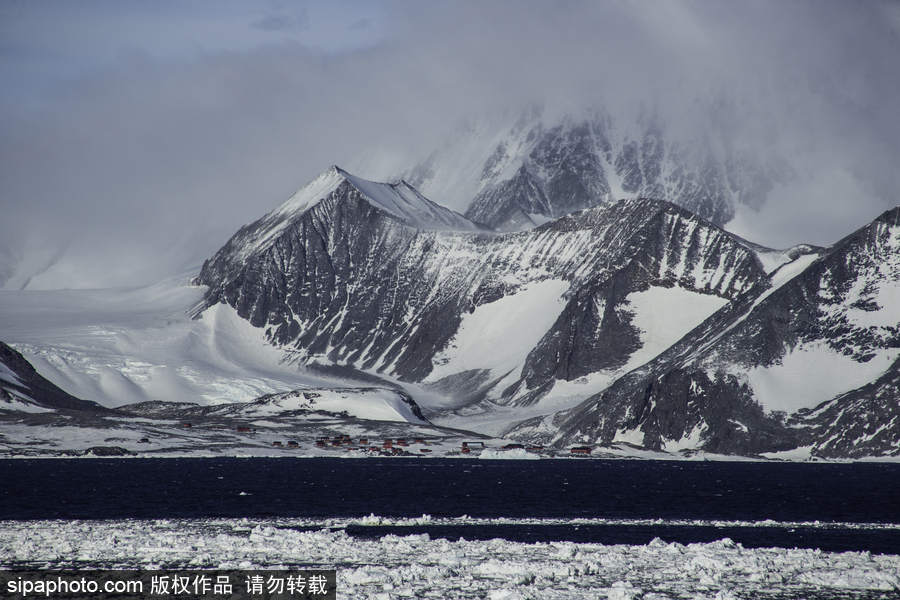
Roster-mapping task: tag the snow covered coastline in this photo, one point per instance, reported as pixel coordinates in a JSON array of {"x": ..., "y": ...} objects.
[{"x": 418, "y": 566}]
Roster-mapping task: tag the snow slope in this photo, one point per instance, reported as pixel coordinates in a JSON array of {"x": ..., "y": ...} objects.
[
  {"x": 499, "y": 335},
  {"x": 117, "y": 347}
]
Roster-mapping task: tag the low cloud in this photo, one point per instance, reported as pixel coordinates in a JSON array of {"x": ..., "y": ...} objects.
[{"x": 145, "y": 166}]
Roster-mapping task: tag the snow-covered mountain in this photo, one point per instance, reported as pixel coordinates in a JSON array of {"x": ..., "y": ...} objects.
[
  {"x": 632, "y": 322},
  {"x": 811, "y": 359},
  {"x": 599, "y": 306},
  {"x": 512, "y": 172},
  {"x": 476, "y": 314}
]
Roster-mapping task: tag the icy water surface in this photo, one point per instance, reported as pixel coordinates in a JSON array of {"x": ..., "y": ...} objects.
[
  {"x": 465, "y": 528},
  {"x": 832, "y": 507}
]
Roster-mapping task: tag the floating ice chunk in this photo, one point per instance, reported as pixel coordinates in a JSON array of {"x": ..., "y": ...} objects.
[{"x": 514, "y": 454}]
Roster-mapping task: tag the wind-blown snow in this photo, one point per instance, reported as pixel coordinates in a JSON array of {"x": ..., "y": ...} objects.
[
  {"x": 406, "y": 203},
  {"x": 417, "y": 566},
  {"x": 7, "y": 375}
]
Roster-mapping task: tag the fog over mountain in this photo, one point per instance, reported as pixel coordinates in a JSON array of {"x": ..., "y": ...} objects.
[{"x": 136, "y": 138}]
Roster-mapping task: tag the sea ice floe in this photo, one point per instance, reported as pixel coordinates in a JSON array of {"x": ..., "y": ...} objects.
[{"x": 417, "y": 566}]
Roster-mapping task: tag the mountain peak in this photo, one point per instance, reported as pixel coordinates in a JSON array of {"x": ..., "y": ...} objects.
[
  {"x": 399, "y": 200},
  {"x": 335, "y": 201}
]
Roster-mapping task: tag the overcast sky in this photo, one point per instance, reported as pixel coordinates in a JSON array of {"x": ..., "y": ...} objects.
[{"x": 136, "y": 137}]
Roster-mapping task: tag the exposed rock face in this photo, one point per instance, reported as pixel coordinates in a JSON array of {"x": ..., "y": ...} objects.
[
  {"x": 800, "y": 345},
  {"x": 543, "y": 168},
  {"x": 863, "y": 422},
  {"x": 508, "y": 205}
]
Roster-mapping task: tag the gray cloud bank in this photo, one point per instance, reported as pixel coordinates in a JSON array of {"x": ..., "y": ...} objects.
[{"x": 139, "y": 169}]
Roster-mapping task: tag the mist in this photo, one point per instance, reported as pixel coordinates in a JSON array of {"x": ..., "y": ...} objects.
[{"x": 135, "y": 158}]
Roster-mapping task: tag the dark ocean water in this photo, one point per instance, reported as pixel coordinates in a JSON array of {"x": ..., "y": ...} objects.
[{"x": 834, "y": 507}]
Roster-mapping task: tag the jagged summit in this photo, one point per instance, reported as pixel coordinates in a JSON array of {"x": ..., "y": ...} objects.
[
  {"x": 514, "y": 170},
  {"x": 331, "y": 191}
]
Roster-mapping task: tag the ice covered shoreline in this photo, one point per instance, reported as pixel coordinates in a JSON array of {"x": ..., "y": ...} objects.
[{"x": 417, "y": 566}]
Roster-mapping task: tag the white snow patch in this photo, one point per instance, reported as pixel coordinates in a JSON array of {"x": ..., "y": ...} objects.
[
  {"x": 372, "y": 404},
  {"x": 630, "y": 436},
  {"x": 885, "y": 293},
  {"x": 772, "y": 259},
  {"x": 812, "y": 374},
  {"x": 687, "y": 442},
  {"x": 797, "y": 454},
  {"x": 19, "y": 406},
  {"x": 499, "y": 335},
  {"x": 664, "y": 316}
]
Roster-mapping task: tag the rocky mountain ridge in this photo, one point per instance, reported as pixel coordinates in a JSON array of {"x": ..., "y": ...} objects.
[
  {"x": 348, "y": 284},
  {"x": 682, "y": 329},
  {"x": 826, "y": 335}
]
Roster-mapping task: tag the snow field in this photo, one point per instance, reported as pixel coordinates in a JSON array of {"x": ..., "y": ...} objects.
[
  {"x": 514, "y": 454},
  {"x": 117, "y": 347},
  {"x": 418, "y": 566},
  {"x": 812, "y": 374},
  {"x": 664, "y": 316},
  {"x": 499, "y": 335}
]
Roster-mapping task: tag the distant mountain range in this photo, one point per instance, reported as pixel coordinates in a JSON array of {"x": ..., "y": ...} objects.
[{"x": 630, "y": 321}]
